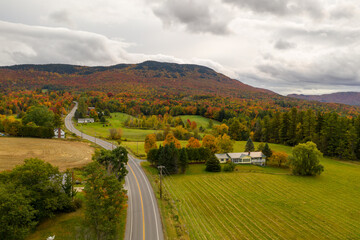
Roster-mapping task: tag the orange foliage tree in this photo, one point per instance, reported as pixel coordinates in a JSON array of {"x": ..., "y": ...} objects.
[
  {"x": 193, "y": 125},
  {"x": 193, "y": 143},
  {"x": 279, "y": 159},
  {"x": 171, "y": 139},
  {"x": 209, "y": 142}
]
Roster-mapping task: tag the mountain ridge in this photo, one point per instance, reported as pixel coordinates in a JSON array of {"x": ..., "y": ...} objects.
[
  {"x": 350, "y": 98},
  {"x": 148, "y": 74}
]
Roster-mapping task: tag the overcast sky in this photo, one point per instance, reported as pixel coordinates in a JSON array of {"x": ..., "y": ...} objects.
[{"x": 288, "y": 46}]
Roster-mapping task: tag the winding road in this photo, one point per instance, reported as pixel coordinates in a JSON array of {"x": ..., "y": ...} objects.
[{"x": 143, "y": 217}]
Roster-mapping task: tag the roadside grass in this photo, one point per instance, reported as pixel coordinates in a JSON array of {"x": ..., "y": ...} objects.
[
  {"x": 61, "y": 153},
  {"x": 262, "y": 202}
]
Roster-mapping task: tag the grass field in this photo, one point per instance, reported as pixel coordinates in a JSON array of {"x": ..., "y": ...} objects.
[
  {"x": 263, "y": 203},
  {"x": 200, "y": 120},
  {"x": 131, "y": 134},
  {"x": 116, "y": 121},
  {"x": 64, "y": 154}
]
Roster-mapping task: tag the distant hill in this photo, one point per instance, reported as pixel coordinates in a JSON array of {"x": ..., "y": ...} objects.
[
  {"x": 170, "y": 78},
  {"x": 350, "y": 98}
]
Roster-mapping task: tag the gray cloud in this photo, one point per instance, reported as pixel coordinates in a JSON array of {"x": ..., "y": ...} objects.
[
  {"x": 312, "y": 8},
  {"x": 197, "y": 16},
  {"x": 61, "y": 17},
  {"x": 21, "y": 44},
  {"x": 31, "y": 44},
  {"x": 334, "y": 68},
  {"x": 284, "y": 45},
  {"x": 346, "y": 11}
]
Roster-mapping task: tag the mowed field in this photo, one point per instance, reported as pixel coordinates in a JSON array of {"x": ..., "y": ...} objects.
[
  {"x": 64, "y": 154},
  {"x": 267, "y": 203}
]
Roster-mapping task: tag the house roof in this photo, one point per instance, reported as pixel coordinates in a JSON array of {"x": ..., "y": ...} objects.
[
  {"x": 236, "y": 155},
  {"x": 221, "y": 155},
  {"x": 243, "y": 154}
]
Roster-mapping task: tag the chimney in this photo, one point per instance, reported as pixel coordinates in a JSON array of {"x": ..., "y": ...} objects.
[{"x": 249, "y": 154}]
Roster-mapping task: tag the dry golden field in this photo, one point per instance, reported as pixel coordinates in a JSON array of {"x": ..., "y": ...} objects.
[{"x": 64, "y": 154}]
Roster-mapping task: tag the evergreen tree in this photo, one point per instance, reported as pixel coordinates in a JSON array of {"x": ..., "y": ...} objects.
[
  {"x": 267, "y": 151},
  {"x": 275, "y": 127},
  {"x": 213, "y": 164},
  {"x": 152, "y": 156},
  {"x": 169, "y": 157},
  {"x": 249, "y": 147},
  {"x": 266, "y": 129},
  {"x": 183, "y": 160},
  {"x": 173, "y": 159},
  {"x": 284, "y": 128},
  {"x": 258, "y": 131},
  {"x": 291, "y": 134}
]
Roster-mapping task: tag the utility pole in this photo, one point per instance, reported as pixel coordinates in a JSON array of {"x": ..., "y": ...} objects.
[{"x": 160, "y": 168}]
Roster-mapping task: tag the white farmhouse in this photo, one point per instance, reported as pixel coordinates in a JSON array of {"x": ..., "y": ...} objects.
[{"x": 257, "y": 158}]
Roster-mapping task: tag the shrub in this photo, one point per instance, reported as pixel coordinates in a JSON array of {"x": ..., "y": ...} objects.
[
  {"x": 115, "y": 134},
  {"x": 229, "y": 167}
]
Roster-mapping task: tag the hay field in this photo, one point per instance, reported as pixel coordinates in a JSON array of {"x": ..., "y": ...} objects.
[
  {"x": 259, "y": 203},
  {"x": 64, "y": 154}
]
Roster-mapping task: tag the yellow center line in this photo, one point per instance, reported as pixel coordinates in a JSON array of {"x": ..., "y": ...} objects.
[{"x": 142, "y": 205}]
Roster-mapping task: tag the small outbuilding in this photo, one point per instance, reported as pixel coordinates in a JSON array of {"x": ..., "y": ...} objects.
[{"x": 85, "y": 120}]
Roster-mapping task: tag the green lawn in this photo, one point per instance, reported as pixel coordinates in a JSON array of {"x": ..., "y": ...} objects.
[
  {"x": 262, "y": 203},
  {"x": 200, "y": 120}
]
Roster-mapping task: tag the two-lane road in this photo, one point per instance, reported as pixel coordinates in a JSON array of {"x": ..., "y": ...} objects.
[{"x": 143, "y": 218}]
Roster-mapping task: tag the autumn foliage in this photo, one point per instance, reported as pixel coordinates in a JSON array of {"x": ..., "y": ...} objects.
[
  {"x": 150, "y": 142},
  {"x": 193, "y": 143},
  {"x": 171, "y": 139}
]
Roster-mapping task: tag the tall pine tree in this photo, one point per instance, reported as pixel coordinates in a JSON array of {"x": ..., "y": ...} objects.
[{"x": 249, "y": 147}]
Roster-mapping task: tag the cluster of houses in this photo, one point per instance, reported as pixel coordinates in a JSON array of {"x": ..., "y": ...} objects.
[{"x": 257, "y": 158}]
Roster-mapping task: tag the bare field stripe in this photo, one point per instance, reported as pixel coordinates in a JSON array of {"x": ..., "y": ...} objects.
[{"x": 142, "y": 204}]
